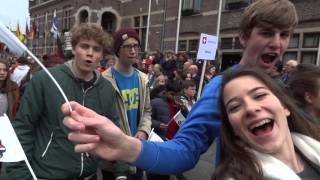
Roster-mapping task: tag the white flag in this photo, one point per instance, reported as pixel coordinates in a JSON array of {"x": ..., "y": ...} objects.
[
  {"x": 154, "y": 137},
  {"x": 10, "y": 147},
  {"x": 54, "y": 25},
  {"x": 179, "y": 118}
]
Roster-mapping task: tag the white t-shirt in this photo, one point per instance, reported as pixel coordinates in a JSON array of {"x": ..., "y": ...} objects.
[{"x": 19, "y": 73}]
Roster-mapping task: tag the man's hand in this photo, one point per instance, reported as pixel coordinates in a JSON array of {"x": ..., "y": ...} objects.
[{"x": 98, "y": 135}]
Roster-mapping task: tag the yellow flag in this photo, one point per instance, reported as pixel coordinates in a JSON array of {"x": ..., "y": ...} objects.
[{"x": 19, "y": 34}]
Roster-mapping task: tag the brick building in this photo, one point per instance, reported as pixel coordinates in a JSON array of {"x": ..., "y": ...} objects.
[{"x": 197, "y": 16}]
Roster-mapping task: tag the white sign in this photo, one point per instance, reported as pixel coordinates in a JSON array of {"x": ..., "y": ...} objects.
[
  {"x": 67, "y": 41},
  {"x": 207, "y": 47}
]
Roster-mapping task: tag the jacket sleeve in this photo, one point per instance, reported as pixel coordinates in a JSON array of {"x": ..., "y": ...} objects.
[
  {"x": 193, "y": 138},
  {"x": 145, "y": 120},
  {"x": 24, "y": 125}
]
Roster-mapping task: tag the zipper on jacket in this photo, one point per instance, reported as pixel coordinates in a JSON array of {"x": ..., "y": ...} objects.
[
  {"x": 82, "y": 164},
  {"x": 82, "y": 158},
  {"x": 47, "y": 147}
]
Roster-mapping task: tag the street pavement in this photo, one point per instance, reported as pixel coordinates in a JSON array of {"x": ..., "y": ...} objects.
[{"x": 204, "y": 168}]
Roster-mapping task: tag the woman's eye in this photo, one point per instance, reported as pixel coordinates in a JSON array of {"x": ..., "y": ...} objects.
[
  {"x": 233, "y": 108},
  {"x": 260, "y": 95}
]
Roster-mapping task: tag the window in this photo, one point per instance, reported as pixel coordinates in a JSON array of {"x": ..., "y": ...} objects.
[
  {"x": 309, "y": 57},
  {"x": 311, "y": 40},
  {"x": 236, "y": 4},
  {"x": 237, "y": 44},
  {"x": 289, "y": 55},
  {"x": 137, "y": 21},
  {"x": 182, "y": 46},
  {"x": 140, "y": 24},
  {"x": 191, "y": 7},
  {"x": 144, "y": 21},
  {"x": 190, "y": 46},
  {"x": 66, "y": 19},
  {"x": 226, "y": 43},
  {"x": 193, "y": 45},
  {"x": 294, "y": 41},
  {"x": 83, "y": 16}
]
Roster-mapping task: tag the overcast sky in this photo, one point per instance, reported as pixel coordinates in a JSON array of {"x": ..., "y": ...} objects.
[{"x": 14, "y": 11}]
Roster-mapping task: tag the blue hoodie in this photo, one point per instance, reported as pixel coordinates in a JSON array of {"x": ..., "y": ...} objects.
[{"x": 193, "y": 138}]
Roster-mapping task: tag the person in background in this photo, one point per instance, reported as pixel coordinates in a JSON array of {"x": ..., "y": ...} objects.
[
  {"x": 133, "y": 96},
  {"x": 265, "y": 31},
  {"x": 147, "y": 61},
  {"x": 38, "y": 123},
  {"x": 21, "y": 73},
  {"x": 153, "y": 75},
  {"x": 263, "y": 134},
  {"x": 304, "y": 86},
  {"x": 188, "y": 96},
  {"x": 288, "y": 67},
  {"x": 181, "y": 59},
  {"x": 109, "y": 61},
  {"x": 164, "y": 108},
  {"x": 9, "y": 91},
  {"x": 186, "y": 66},
  {"x": 159, "y": 85},
  {"x": 276, "y": 73},
  {"x": 193, "y": 70},
  {"x": 169, "y": 64}
]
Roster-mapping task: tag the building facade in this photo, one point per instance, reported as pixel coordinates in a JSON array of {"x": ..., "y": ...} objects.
[{"x": 197, "y": 16}]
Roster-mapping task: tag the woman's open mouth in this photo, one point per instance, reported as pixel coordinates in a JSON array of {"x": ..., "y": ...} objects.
[{"x": 262, "y": 128}]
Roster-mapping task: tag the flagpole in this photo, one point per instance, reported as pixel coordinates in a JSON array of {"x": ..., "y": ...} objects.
[
  {"x": 174, "y": 117},
  {"x": 150, "y": 134},
  {"x": 205, "y": 61},
  {"x": 318, "y": 56},
  {"x": 148, "y": 28},
  {"x": 30, "y": 169},
  {"x": 45, "y": 33},
  {"x": 178, "y": 27}
]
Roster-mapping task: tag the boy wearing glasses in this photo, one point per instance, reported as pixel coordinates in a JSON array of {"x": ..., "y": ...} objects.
[{"x": 133, "y": 98}]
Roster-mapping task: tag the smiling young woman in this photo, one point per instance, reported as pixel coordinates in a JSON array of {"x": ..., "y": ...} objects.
[
  {"x": 9, "y": 91},
  {"x": 263, "y": 131}
]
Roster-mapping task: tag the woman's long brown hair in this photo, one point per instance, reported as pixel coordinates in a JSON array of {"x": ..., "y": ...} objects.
[
  {"x": 236, "y": 161},
  {"x": 7, "y": 85}
]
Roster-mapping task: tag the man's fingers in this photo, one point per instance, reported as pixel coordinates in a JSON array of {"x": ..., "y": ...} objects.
[
  {"x": 73, "y": 124},
  {"x": 83, "y": 138},
  {"x": 80, "y": 148},
  {"x": 83, "y": 111}
]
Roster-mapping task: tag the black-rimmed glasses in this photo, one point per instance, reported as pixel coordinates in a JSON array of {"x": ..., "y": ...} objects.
[{"x": 128, "y": 47}]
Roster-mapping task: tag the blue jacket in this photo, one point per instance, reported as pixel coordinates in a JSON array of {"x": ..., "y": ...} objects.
[{"x": 193, "y": 138}]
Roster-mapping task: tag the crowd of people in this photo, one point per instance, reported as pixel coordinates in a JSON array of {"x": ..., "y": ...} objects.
[{"x": 264, "y": 113}]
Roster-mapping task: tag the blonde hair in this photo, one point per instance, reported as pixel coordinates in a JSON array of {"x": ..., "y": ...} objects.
[{"x": 161, "y": 77}]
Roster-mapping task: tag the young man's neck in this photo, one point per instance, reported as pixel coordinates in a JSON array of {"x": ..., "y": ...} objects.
[
  {"x": 123, "y": 69},
  {"x": 82, "y": 75}
]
